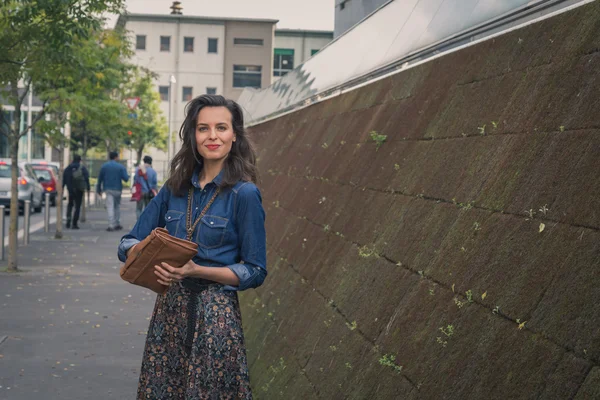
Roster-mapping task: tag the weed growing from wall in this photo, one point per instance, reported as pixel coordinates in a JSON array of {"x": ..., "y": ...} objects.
[
  {"x": 448, "y": 331},
  {"x": 378, "y": 138},
  {"x": 365, "y": 251},
  {"x": 469, "y": 294},
  {"x": 388, "y": 360}
]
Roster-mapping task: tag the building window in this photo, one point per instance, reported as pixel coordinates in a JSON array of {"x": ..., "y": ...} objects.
[
  {"x": 165, "y": 43},
  {"x": 213, "y": 45},
  {"x": 247, "y": 76},
  {"x": 313, "y": 52},
  {"x": 248, "y": 42},
  {"x": 211, "y": 90},
  {"x": 140, "y": 42},
  {"x": 187, "y": 93},
  {"x": 283, "y": 62},
  {"x": 164, "y": 93},
  {"x": 188, "y": 44}
]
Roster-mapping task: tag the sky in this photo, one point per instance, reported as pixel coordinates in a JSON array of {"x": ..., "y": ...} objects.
[{"x": 297, "y": 14}]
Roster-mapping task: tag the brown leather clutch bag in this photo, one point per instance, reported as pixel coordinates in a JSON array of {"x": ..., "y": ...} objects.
[{"x": 158, "y": 247}]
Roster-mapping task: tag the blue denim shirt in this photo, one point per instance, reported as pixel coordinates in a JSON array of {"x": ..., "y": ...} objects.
[
  {"x": 151, "y": 179},
  {"x": 111, "y": 175},
  {"x": 231, "y": 234}
]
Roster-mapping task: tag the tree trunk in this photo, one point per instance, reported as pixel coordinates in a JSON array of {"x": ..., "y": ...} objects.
[
  {"x": 140, "y": 151},
  {"x": 59, "y": 195},
  {"x": 83, "y": 159},
  {"x": 14, "y": 193}
]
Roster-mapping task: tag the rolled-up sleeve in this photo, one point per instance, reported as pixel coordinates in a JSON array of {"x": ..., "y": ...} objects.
[
  {"x": 152, "y": 217},
  {"x": 250, "y": 222}
]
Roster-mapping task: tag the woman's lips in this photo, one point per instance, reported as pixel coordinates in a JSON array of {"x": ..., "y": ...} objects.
[{"x": 212, "y": 146}]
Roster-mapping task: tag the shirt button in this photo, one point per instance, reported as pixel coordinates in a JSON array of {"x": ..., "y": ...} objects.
[{"x": 211, "y": 222}]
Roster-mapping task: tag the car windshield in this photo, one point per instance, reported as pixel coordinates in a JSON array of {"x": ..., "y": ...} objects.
[
  {"x": 43, "y": 173},
  {"x": 54, "y": 167},
  {"x": 4, "y": 171}
]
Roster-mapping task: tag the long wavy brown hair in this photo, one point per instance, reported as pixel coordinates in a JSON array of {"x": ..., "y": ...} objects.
[{"x": 240, "y": 163}]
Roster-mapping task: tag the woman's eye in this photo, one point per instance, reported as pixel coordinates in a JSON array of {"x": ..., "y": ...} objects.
[
  {"x": 222, "y": 128},
  {"x": 201, "y": 129}
]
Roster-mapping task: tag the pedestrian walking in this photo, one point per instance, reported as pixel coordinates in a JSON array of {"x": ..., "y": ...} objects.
[
  {"x": 146, "y": 179},
  {"x": 195, "y": 344},
  {"x": 110, "y": 180},
  {"x": 77, "y": 180}
]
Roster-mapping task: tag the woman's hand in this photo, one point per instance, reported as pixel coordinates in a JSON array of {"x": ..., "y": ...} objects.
[{"x": 167, "y": 274}]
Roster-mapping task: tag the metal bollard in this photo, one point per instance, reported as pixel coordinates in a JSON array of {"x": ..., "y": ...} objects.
[
  {"x": 47, "y": 213},
  {"x": 26, "y": 221},
  {"x": 2, "y": 233}
]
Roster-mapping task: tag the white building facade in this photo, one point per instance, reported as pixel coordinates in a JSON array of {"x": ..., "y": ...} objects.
[
  {"x": 197, "y": 55},
  {"x": 294, "y": 46}
]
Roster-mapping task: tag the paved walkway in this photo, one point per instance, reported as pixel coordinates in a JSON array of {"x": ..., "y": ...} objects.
[{"x": 70, "y": 328}]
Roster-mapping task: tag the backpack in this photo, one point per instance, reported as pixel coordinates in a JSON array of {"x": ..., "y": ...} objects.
[{"x": 78, "y": 179}]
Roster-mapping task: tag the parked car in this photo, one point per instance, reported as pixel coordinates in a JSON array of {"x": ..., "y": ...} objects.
[
  {"x": 48, "y": 179},
  {"x": 53, "y": 165},
  {"x": 29, "y": 187}
]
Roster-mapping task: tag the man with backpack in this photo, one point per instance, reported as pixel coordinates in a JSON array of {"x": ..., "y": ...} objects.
[
  {"x": 111, "y": 178},
  {"x": 77, "y": 180}
]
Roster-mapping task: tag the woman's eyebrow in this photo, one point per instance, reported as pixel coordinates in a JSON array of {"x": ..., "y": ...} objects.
[{"x": 218, "y": 123}]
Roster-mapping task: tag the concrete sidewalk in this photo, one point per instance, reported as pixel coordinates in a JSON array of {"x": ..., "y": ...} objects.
[{"x": 70, "y": 328}]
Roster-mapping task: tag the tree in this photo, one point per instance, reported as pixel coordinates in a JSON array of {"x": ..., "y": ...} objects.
[
  {"x": 89, "y": 94},
  {"x": 36, "y": 44},
  {"x": 150, "y": 126}
]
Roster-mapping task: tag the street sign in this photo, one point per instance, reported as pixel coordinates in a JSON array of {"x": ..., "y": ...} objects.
[
  {"x": 132, "y": 115},
  {"x": 132, "y": 102}
]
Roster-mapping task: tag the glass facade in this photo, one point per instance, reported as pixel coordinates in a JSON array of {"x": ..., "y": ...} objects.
[{"x": 38, "y": 143}]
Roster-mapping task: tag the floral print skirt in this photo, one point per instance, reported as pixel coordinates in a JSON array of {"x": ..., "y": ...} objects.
[{"x": 195, "y": 347}]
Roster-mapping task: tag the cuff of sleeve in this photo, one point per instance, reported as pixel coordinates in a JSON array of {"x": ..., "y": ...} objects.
[
  {"x": 245, "y": 273},
  {"x": 124, "y": 246}
]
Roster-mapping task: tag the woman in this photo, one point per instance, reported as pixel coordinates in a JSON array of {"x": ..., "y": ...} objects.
[
  {"x": 145, "y": 181},
  {"x": 195, "y": 344}
]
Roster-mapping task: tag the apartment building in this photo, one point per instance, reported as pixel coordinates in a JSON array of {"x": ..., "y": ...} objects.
[
  {"x": 196, "y": 55},
  {"x": 295, "y": 46}
]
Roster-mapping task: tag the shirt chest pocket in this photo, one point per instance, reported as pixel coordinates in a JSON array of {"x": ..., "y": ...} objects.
[
  {"x": 174, "y": 220},
  {"x": 211, "y": 231}
]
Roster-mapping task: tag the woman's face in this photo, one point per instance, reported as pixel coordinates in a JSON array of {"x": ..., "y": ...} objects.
[{"x": 214, "y": 133}]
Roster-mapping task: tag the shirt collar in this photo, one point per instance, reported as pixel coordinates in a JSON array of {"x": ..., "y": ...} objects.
[{"x": 196, "y": 181}]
